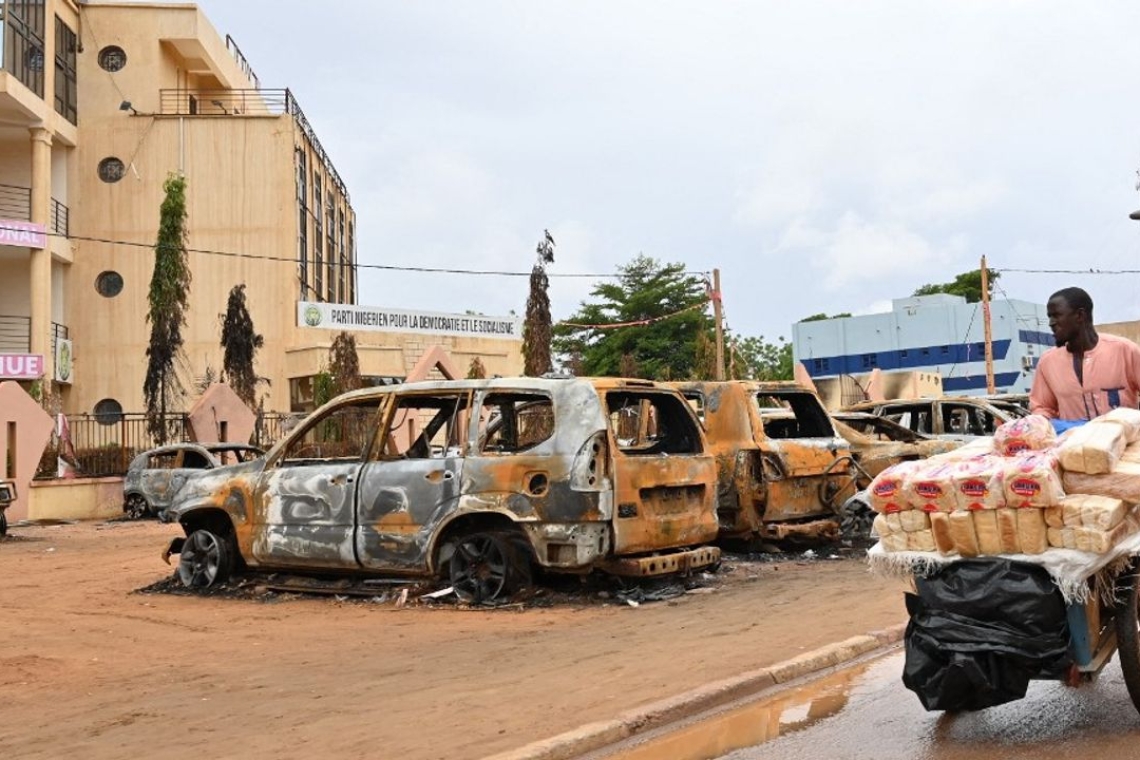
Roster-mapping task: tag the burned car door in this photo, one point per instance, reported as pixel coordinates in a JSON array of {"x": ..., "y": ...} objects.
[
  {"x": 189, "y": 462},
  {"x": 663, "y": 480},
  {"x": 414, "y": 480},
  {"x": 305, "y": 498},
  {"x": 158, "y": 479}
]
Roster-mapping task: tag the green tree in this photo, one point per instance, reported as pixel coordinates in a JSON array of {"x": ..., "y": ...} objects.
[
  {"x": 762, "y": 360},
  {"x": 968, "y": 284},
  {"x": 821, "y": 316},
  {"x": 240, "y": 343},
  {"x": 536, "y": 334},
  {"x": 656, "y": 315},
  {"x": 344, "y": 365},
  {"x": 168, "y": 301}
]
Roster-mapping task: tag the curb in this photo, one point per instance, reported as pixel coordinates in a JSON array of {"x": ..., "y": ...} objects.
[{"x": 595, "y": 736}]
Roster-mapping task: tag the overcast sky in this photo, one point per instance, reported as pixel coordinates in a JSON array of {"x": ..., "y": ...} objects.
[{"x": 825, "y": 156}]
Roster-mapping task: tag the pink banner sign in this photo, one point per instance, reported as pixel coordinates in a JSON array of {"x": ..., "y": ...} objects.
[
  {"x": 21, "y": 366},
  {"x": 23, "y": 234}
]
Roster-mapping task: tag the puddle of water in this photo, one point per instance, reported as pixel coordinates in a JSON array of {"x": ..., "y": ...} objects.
[{"x": 757, "y": 722}]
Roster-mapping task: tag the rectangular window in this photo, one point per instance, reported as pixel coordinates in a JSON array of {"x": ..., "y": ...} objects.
[
  {"x": 318, "y": 241},
  {"x": 330, "y": 247},
  {"x": 342, "y": 257},
  {"x": 65, "y": 88},
  {"x": 352, "y": 260},
  {"x": 302, "y": 224},
  {"x": 24, "y": 42}
]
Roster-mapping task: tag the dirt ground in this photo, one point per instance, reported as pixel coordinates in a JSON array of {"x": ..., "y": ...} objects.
[{"x": 90, "y": 668}]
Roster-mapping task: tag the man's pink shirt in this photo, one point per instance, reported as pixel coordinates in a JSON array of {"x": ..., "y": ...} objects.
[{"x": 1111, "y": 379}]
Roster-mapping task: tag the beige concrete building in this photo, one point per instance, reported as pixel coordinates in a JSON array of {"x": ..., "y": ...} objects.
[{"x": 100, "y": 102}]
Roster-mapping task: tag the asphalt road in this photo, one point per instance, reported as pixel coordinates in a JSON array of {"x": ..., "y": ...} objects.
[{"x": 865, "y": 712}]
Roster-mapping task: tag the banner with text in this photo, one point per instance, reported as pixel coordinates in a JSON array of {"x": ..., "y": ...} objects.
[
  {"x": 22, "y": 234},
  {"x": 334, "y": 316}
]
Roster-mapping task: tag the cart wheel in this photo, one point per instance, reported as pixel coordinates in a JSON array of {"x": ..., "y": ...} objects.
[{"x": 1128, "y": 629}]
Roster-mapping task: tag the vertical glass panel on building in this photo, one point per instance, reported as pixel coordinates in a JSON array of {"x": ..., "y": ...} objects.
[
  {"x": 66, "y": 95},
  {"x": 24, "y": 42}
]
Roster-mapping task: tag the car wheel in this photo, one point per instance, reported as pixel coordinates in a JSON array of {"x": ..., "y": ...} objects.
[
  {"x": 485, "y": 567},
  {"x": 3, "y": 524},
  {"x": 856, "y": 518},
  {"x": 136, "y": 507},
  {"x": 207, "y": 558}
]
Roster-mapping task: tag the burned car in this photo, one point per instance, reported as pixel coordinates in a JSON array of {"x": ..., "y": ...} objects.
[
  {"x": 956, "y": 417},
  {"x": 155, "y": 477},
  {"x": 782, "y": 469},
  {"x": 474, "y": 481},
  {"x": 879, "y": 442}
]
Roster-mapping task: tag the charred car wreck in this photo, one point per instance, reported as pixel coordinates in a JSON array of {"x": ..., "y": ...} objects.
[
  {"x": 783, "y": 471},
  {"x": 475, "y": 481}
]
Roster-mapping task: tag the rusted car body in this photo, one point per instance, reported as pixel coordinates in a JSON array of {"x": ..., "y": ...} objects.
[
  {"x": 473, "y": 479},
  {"x": 879, "y": 442},
  {"x": 956, "y": 417},
  {"x": 781, "y": 466},
  {"x": 156, "y": 476}
]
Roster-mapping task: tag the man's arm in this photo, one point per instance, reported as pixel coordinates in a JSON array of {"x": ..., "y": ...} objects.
[{"x": 1042, "y": 400}]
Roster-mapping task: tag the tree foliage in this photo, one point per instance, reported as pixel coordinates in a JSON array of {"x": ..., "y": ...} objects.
[
  {"x": 968, "y": 284},
  {"x": 761, "y": 360},
  {"x": 821, "y": 316},
  {"x": 168, "y": 302},
  {"x": 476, "y": 370},
  {"x": 344, "y": 365},
  {"x": 537, "y": 359},
  {"x": 659, "y": 308},
  {"x": 240, "y": 343}
]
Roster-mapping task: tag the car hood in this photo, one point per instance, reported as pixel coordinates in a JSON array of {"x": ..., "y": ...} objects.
[{"x": 201, "y": 485}]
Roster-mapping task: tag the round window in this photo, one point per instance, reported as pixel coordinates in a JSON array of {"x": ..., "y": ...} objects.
[
  {"x": 111, "y": 169},
  {"x": 108, "y": 412},
  {"x": 112, "y": 58},
  {"x": 109, "y": 284}
]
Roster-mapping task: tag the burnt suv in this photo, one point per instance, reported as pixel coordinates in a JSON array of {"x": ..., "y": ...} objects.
[
  {"x": 782, "y": 469},
  {"x": 472, "y": 480}
]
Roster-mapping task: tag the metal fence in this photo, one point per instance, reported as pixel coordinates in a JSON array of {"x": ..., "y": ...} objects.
[{"x": 104, "y": 445}]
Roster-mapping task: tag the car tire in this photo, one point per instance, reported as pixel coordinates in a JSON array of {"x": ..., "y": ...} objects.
[
  {"x": 136, "y": 507},
  {"x": 3, "y": 524},
  {"x": 486, "y": 566},
  {"x": 207, "y": 558},
  {"x": 856, "y": 518}
]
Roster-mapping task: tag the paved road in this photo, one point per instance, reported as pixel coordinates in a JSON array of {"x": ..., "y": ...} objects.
[{"x": 867, "y": 713}]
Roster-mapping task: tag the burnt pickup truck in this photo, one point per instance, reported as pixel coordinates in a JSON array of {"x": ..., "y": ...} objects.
[
  {"x": 472, "y": 480},
  {"x": 782, "y": 469}
]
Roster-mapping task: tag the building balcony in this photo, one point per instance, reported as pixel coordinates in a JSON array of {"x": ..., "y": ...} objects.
[
  {"x": 16, "y": 334},
  {"x": 16, "y": 205}
]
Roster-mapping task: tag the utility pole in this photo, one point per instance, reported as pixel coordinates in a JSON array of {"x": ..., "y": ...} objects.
[
  {"x": 718, "y": 314},
  {"x": 990, "y": 387}
]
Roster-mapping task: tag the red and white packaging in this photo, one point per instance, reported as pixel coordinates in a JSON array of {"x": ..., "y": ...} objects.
[
  {"x": 887, "y": 492},
  {"x": 978, "y": 482},
  {"x": 931, "y": 487},
  {"x": 1033, "y": 479},
  {"x": 1031, "y": 433}
]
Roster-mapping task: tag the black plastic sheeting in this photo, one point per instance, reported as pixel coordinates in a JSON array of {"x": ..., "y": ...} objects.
[{"x": 980, "y": 630}]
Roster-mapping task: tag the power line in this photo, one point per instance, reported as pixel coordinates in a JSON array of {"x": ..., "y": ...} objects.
[
  {"x": 294, "y": 260},
  {"x": 1090, "y": 270}
]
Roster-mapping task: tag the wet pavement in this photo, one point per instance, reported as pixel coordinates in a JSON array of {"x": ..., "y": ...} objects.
[{"x": 864, "y": 712}]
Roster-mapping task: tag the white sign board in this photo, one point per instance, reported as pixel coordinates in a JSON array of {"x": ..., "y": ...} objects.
[
  {"x": 334, "y": 316},
  {"x": 63, "y": 353}
]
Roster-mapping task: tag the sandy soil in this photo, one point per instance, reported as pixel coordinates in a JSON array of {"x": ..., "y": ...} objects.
[{"x": 89, "y": 668}]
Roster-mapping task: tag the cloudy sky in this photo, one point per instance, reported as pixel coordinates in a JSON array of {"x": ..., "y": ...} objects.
[{"x": 825, "y": 156}]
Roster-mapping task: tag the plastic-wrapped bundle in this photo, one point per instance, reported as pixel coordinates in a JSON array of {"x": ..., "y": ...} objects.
[
  {"x": 1031, "y": 433},
  {"x": 1033, "y": 479},
  {"x": 1127, "y": 418},
  {"x": 931, "y": 487},
  {"x": 887, "y": 491},
  {"x": 1087, "y": 510},
  {"x": 1092, "y": 540},
  {"x": 1122, "y": 483},
  {"x": 978, "y": 482},
  {"x": 1093, "y": 449}
]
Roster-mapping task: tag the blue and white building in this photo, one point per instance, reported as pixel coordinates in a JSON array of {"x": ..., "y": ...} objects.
[{"x": 939, "y": 333}]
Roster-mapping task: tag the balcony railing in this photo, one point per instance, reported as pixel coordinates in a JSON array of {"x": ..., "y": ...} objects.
[
  {"x": 16, "y": 334},
  {"x": 16, "y": 203},
  {"x": 235, "y": 51},
  {"x": 223, "y": 102}
]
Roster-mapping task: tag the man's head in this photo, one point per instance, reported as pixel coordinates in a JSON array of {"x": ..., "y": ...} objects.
[{"x": 1070, "y": 313}]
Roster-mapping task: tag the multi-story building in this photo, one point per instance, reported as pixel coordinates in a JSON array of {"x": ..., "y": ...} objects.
[
  {"x": 100, "y": 102},
  {"x": 938, "y": 333}
]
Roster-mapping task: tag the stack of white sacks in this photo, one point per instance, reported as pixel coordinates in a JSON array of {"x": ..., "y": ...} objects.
[{"x": 1021, "y": 492}]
